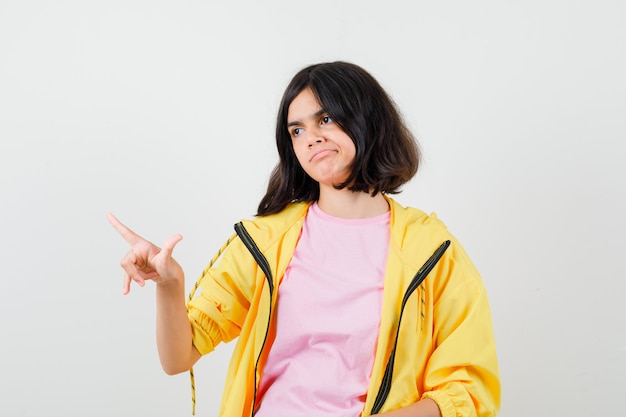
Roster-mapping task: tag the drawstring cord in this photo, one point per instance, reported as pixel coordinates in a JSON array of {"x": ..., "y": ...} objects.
[{"x": 191, "y": 295}]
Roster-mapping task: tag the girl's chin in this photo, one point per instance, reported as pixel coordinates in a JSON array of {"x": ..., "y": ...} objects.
[
  {"x": 331, "y": 185},
  {"x": 329, "y": 180}
]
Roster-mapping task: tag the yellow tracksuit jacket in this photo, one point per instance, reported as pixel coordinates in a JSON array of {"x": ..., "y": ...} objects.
[{"x": 441, "y": 329}]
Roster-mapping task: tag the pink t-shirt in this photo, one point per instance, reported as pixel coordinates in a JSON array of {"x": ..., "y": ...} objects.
[{"x": 328, "y": 317}]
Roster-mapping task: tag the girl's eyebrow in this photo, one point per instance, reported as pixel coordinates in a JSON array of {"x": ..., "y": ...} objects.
[{"x": 313, "y": 116}]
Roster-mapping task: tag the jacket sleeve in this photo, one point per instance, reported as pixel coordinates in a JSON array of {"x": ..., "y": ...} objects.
[
  {"x": 218, "y": 312},
  {"x": 462, "y": 374}
]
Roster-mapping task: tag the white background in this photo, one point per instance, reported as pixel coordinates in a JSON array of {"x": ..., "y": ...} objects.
[{"x": 163, "y": 113}]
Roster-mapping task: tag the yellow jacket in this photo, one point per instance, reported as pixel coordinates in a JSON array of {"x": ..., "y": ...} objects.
[{"x": 445, "y": 345}]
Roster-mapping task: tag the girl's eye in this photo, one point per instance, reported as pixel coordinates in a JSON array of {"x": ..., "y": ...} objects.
[
  {"x": 326, "y": 120},
  {"x": 296, "y": 131}
]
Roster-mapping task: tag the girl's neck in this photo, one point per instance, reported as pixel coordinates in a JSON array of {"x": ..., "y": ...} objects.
[{"x": 351, "y": 205}]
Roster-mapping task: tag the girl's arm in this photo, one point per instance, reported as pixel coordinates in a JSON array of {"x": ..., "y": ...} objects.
[
  {"x": 422, "y": 408},
  {"x": 176, "y": 350}
]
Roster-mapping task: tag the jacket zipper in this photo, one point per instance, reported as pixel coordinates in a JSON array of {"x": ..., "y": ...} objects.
[
  {"x": 265, "y": 267},
  {"x": 385, "y": 386}
]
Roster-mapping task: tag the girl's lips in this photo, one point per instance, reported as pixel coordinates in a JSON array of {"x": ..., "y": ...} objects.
[{"x": 320, "y": 154}]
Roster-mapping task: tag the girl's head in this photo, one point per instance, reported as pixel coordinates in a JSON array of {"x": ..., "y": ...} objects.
[{"x": 386, "y": 157}]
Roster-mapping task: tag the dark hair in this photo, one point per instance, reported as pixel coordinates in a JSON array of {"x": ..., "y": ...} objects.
[{"x": 387, "y": 154}]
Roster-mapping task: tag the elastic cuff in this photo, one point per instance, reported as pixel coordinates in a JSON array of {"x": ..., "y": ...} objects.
[
  {"x": 199, "y": 336},
  {"x": 446, "y": 408}
]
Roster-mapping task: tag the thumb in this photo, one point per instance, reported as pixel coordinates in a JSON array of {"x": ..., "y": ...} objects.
[{"x": 170, "y": 243}]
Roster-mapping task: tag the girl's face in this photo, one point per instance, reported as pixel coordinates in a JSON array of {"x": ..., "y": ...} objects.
[{"x": 323, "y": 149}]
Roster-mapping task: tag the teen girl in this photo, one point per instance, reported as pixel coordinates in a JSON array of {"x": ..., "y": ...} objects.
[{"x": 344, "y": 302}]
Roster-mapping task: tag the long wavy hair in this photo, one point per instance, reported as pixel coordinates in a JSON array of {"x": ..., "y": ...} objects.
[{"x": 387, "y": 154}]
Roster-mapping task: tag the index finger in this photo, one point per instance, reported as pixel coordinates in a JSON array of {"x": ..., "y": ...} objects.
[{"x": 128, "y": 235}]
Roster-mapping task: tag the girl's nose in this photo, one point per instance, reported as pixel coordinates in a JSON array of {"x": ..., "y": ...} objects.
[
  {"x": 315, "y": 136},
  {"x": 317, "y": 140}
]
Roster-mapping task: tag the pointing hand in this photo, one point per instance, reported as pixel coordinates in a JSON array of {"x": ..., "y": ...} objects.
[{"x": 146, "y": 261}]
